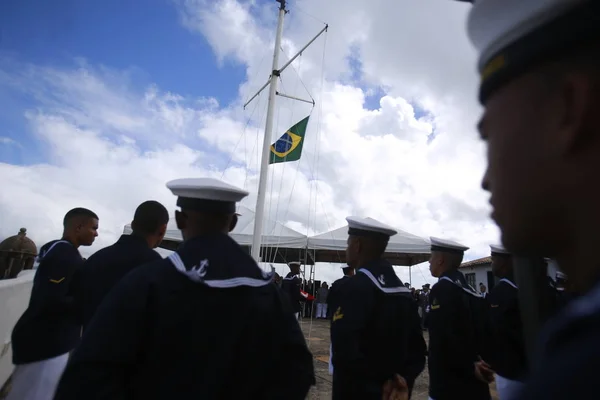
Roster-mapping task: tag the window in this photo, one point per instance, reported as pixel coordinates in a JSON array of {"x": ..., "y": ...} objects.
[{"x": 470, "y": 279}]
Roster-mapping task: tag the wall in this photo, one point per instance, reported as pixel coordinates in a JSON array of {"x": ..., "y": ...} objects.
[
  {"x": 480, "y": 272},
  {"x": 14, "y": 298}
]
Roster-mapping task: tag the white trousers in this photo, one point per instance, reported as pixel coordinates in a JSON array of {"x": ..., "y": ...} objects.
[
  {"x": 321, "y": 310},
  {"x": 330, "y": 361},
  {"x": 507, "y": 389},
  {"x": 37, "y": 380}
]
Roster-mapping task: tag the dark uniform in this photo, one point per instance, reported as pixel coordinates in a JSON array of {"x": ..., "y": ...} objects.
[
  {"x": 105, "y": 268},
  {"x": 206, "y": 323},
  {"x": 49, "y": 327},
  {"x": 375, "y": 333},
  {"x": 334, "y": 294},
  {"x": 455, "y": 340},
  {"x": 506, "y": 351},
  {"x": 291, "y": 286}
]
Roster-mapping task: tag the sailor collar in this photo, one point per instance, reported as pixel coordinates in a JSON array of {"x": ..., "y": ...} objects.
[
  {"x": 458, "y": 279},
  {"x": 218, "y": 261},
  {"x": 381, "y": 274}
]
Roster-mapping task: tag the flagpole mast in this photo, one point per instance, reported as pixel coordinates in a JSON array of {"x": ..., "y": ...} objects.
[{"x": 264, "y": 165}]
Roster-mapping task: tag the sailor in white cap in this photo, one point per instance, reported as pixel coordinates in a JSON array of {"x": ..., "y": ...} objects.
[
  {"x": 540, "y": 72},
  {"x": 206, "y": 322},
  {"x": 291, "y": 285},
  {"x": 456, "y": 329},
  {"x": 333, "y": 298},
  {"x": 376, "y": 335},
  {"x": 505, "y": 351}
]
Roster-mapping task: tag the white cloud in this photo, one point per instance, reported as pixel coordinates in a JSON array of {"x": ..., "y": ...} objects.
[{"x": 111, "y": 146}]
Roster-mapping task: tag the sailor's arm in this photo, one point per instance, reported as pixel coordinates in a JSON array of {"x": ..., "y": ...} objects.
[
  {"x": 354, "y": 303},
  {"x": 54, "y": 284},
  {"x": 447, "y": 317},
  {"x": 102, "y": 364}
]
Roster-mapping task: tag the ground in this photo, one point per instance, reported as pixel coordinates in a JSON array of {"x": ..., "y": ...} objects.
[{"x": 317, "y": 337}]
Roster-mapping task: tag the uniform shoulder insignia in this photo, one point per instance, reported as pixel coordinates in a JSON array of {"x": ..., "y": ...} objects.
[
  {"x": 381, "y": 279},
  {"x": 435, "y": 304},
  {"x": 494, "y": 305},
  {"x": 338, "y": 314},
  {"x": 57, "y": 280},
  {"x": 458, "y": 282}
]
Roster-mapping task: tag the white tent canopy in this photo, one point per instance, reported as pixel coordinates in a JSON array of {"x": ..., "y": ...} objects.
[
  {"x": 403, "y": 242},
  {"x": 275, "y": 233}
]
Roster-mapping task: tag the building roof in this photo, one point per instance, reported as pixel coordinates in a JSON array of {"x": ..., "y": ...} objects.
[{"x": 476, "y": 263}]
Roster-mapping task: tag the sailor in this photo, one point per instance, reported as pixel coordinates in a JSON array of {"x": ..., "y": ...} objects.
[
  {"x": 506, "y": 350},
  {"x": 540, "y": 72},
  {"x": 423, "y": 302},
  {"x": 291, "y": 285},
  {"x": 49, "y": 329},
  {"x": 332, "y": 299},
  {"x": 107, "y": 266},
  {"x": 375, "y": 331},
  {"x": 456, "y": 328},
  {"x": 206, "y": 322}
]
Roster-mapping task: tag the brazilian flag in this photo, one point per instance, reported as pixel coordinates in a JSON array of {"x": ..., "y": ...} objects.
[{"x": 289, "y": 146}]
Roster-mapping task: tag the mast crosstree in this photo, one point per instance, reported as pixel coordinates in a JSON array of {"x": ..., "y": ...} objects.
[{"x": 273, "y": 93}]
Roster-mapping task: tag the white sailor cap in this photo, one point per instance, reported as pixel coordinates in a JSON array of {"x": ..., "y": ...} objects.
[
  {"x": 499, "y": 250},
  {"x": 513, "y": 35},
  {"x": 358, "y": 226},
  {"x": 296, "y": 263},
  {"x": 447, "y": 246},
  {"x": 561, "y": 275},
  {"x": 206, "y": 194}
]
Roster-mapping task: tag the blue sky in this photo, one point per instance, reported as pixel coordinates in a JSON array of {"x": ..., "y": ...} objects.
[
  {"x": 148, "y": 41},
  {"x": 120, "y": 34}
]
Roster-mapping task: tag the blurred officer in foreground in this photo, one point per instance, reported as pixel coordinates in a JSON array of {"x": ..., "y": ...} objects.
[
  {"x": 205, "y": 323},
  {"x": 49, "y": 329},
  {"x": 506, "y": 350},
  {"x": 376, "y": 334},
  {"x": 457, "y": 323},
  {"x": 539, "y": 62},
  {"x": 107, "y": 266}
]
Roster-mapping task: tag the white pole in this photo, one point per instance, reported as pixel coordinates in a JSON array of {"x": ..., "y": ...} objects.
[{"x": 264, "y": 165}]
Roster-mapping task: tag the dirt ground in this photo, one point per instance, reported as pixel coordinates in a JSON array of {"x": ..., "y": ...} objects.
[{"x": 317, "y": 337}]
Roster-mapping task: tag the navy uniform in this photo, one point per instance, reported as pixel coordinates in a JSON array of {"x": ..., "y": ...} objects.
[
  {"x": 49, "y": 327},
  {"x": 506, "y": 350},
  {"x": 291, "y": 285},
  {"x": 333, "y": 303},
  {"x": 456, "y": 328},
  {"x": 375, "y": 330},
  {"x": 512, "y": 38},
  {"x": 334, "y": 293},
  {"x": 205, "y": 323},
  {"x": 104, "y": 269}
]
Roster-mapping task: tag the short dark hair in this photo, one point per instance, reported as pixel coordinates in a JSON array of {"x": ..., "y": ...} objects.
[
  {"x": 149, "y": 217},
  {"x": 78, "y": 212}
]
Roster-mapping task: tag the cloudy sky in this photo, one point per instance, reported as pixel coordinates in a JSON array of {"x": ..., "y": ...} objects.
[{"x": 101, "y": 103}]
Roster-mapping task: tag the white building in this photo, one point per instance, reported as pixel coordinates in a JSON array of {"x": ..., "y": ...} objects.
[{"x": 480, "y": 271}]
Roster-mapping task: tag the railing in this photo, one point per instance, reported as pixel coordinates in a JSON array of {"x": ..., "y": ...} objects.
[{"x": 14, "y": 298}]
